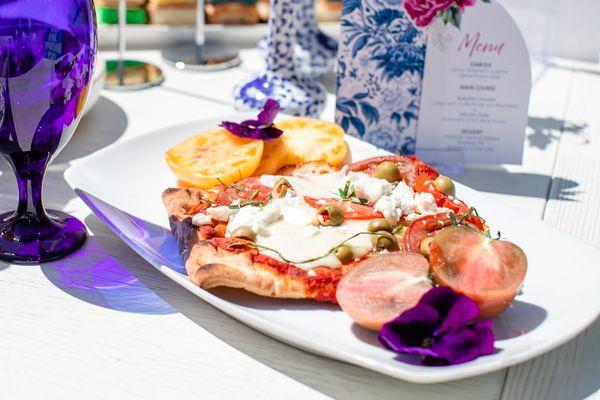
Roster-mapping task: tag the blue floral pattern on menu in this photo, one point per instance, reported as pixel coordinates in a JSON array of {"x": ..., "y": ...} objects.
[{"x": 380, "y": 69}]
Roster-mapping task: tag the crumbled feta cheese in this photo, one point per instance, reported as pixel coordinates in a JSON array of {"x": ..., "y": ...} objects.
[
  {"x": 367, "y": 187},
  {"x": 388, "y": 207},
  {"x": 221, "y": 213},
  {"x": 425, "y": 203},
  {"x": 405, "y": 197},
  {"x": 403, "y": 201},
  {"x": 256, "y": 218},
  {"x": 201, "y": 219},
  {"x": 311, "y": 272}
]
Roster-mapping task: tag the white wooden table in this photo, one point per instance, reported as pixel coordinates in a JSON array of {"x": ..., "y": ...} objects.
[{"x": 104, "y": 324}]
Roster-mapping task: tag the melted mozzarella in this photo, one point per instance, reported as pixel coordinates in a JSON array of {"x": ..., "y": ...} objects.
[
  {"x": 289, "y": 225},
  {"x": 315, "y": 186},
  {"x": 296, "y": 244},
  {"x": 201, "y": 219},
  {"x": 221, "y": 213},
  {"x": 256, "y": 218}
]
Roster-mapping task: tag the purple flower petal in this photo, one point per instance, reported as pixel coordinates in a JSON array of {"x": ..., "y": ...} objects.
[
  {"x": 440, "y": 329},
  {"x": 466, "y": 343},
  {"x": 260, "y": 128},
  {"x": 408, "y": 332},
  {"x": 463, "y": 311},
  {"x": 234, "y": 128},
  {"x": 269, "y": 112}
]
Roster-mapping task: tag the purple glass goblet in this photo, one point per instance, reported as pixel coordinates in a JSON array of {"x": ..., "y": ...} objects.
[{"x": 47, "y": 53}]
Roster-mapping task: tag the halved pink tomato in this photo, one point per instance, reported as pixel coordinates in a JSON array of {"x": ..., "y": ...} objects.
[
  {"x": 349, "y": 209},
  {"x": 488, "y": 271},
  {"x": 380, "y": 288},
  {"x": 246, "y": 189}
]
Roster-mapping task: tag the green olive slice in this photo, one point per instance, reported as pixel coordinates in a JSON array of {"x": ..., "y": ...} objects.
[
  {"x": 384, "y": 241},
  {"x": 445, "y": 185},
  {"x": 244, "y": 232},
  {"x": 344, "y": 254},
  {"x": 380, "y": 224},
  {"x": 280, "y": 189},
  {"x": 388, "y": 170},
  {"x": 330, "y": 215}
]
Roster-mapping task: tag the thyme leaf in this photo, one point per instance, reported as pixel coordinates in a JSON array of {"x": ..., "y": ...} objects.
[{"x": 330, "y": 251}]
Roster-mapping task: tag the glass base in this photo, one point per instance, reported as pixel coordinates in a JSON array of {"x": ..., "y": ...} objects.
[
  {"x": 131, "y": 75},
  {"x": 28, "y": 239},
  {"x": 201, "y": 58}
]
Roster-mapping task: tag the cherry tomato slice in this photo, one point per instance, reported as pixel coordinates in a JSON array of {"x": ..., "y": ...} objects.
[
  {"x": 424, "y": 184},
  {"x": 350, "y": 210},
  {"x": 424, "y": 227},
  {"x": 488, "y": 271},
  {"x": 406, "y": 167},
  {"x": 246, "y": 189},
  {"x": 380, "y": 288}
]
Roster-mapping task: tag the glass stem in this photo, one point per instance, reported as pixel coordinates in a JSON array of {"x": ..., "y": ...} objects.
[{"x": 29, "y": 172}]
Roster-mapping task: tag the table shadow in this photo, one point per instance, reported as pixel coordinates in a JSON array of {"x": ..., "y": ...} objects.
[
  {"x": 103, "y": 125},
  {"x": 548, "y": 130},
  {"x": 500, "y": 180},
  {"x": 93, "y": 275}
]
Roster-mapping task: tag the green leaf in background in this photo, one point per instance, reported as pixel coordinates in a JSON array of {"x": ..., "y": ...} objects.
[
  {"x": 446, "y": 16},
  {"x": 456, "y": 17}
]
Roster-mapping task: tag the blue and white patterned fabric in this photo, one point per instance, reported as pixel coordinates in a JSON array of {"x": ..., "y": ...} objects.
[
  {"x": 297, "y": 95},
  {"x": 380, "y": 70},
  {"x": 315, "y": 52}
]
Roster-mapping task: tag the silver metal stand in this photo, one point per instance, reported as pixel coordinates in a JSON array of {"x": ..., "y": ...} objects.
[
  {"x": 122, "y": 74},
  {"x": 199, "y": 56}
]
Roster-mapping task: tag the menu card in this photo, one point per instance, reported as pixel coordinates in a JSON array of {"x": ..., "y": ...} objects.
[
  {"x": 475, "y": 92},
  {"x": 446, "y": 80}
]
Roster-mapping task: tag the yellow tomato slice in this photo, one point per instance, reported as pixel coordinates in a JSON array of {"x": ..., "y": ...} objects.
[
  {"x": 308, "y": 139},
  {"x": 274, "y": 157},
  {"x": 213, "y": 157}
]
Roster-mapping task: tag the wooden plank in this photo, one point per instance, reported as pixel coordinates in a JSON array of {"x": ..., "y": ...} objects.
[{"x": 571, "y": 371}]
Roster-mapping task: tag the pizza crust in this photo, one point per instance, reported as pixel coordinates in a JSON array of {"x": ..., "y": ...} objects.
[{"x": 210, "y": 266}]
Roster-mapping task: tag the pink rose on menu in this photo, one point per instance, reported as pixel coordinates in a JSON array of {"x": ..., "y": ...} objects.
[
  {"x": 423, "y": 12},
  {"x": 461, "y": 4}
]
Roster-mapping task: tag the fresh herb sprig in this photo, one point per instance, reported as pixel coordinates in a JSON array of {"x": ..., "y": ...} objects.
[
  {"x": 348, "y": 193},
  {"x": 461, "y": 220},
  {"x": 330, "y": 251}
]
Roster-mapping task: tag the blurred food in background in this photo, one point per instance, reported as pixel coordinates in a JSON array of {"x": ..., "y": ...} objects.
[{"x": 223, "y": 12}]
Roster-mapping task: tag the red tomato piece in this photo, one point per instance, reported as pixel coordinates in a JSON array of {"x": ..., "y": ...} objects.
[
  {"x": 424, "y": 184},
  {"x": 422, "y": 228},
  {"x": 349, "y": 209},
  {"x": 246, "y": 189},
  {"x": 380, "y": 288},
  {"x": 488, "y": 271}
]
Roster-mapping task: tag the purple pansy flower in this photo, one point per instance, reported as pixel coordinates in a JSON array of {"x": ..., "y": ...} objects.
[
  {"x": 260, "y": 128},
  {"x": 440, "y": 329}
]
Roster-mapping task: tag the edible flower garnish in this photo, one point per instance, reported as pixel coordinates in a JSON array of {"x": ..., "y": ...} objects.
[
  {"x": 260, "y": 128},
  {"x": 440, "y": 329}
]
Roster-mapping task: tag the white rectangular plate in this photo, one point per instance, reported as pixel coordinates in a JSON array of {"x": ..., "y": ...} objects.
[{"x": 123, "y": 184}]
